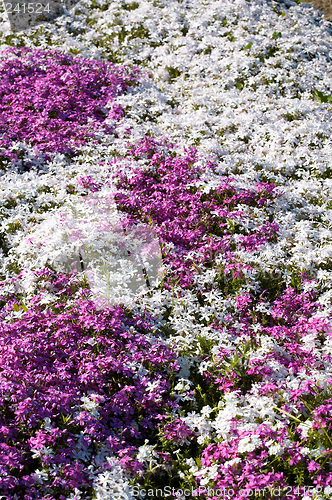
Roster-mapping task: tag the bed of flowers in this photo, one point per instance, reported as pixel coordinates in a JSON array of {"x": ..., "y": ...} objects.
[{"x": 205, "y": 125}]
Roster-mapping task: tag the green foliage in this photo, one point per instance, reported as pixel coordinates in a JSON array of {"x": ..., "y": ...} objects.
[
  {"x": 71, "y": 189},
  {"x": 14, "y": 41},
  {"x": 319, "y": 438},
  {"x": 208, "y": 50},
  {"x": 12, "y": 267},
  {"x": 103, "y": 7},
  {"x": 174, "y": 73},
  {"x": 321, "y": 97},
  {"x": 239, "y": 365},
  {"x": 9, "y": 203},
  {"x": 271, "y": 282},
  {"x": 107, "y": 41},
  {"x": 12, "y": 227},
  {"x": 74, "y": 51},
  {"x": 130, "y": 6},
  {"x": 240, "y": 362},
  {"x": 270, "y": 51},
  {"x": 184, "y": 30},
  {"x": 21, "y": 306},
  {"x": 226, "y": 130},
  {"x": 44, "y": 189},
  {"x": 4, "y": 246},
  {"x": 239, "y": 83},
  {"x": 227, "y": 284},
  {"x": 45, "y": 207},
  {"x": 290, "y": 117}
]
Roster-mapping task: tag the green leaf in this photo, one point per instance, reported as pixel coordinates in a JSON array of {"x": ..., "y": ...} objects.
[
  {"x": 246, "y": 347},
  {"x": 16, "y": 308},
  {"x": 247, "y": 46},
  {"x": 65, "y": 418},
  {"x": 288, "y": 415},
  {"x": 321, "y": 97}
]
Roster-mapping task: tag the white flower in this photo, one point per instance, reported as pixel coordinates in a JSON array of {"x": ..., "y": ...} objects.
[
  {"x": 112, "y": 484},
  {"x": 36, "y": 453},
  {"x": 75, "y": 496},
  {"x": 152, "y": 386},
  {"x": 40, "y": 475},
  {"x": 274, "y": 448},
  {"x": 146, "y": 454},
  {"x": 42, "y": 452},
  {"x": 234, "y": 461},
  {"x": 91, "y": 403},
  {"x": 317, "y": 452},
  {"x": 81, "y": 450},
  {"x": 91, "y": 341},
  {"x": 47, "y": 424},
  {"x": 182, "y": 388},
  {"x": 249, "y": 443},
  {"x": 305, "y": 427},
  {"x": 206, "y": 410}
]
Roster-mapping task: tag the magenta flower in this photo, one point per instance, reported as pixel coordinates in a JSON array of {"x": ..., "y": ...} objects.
[
  {"x": 56, "y": 102},
  {"x": 70, "y": 372}
]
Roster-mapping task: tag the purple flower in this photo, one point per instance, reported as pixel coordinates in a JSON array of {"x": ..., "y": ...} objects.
[
  {"x": 54, "y": 101},
  {"x": 72, "y": 370}
]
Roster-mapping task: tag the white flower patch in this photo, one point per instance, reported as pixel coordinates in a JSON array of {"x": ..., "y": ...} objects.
[
  {"x": 206, "y": 474},
  {"x": 182, "y": 388},
  {"x": 81, "y": 450},
  {"x": 42, "y": 452},
  {"x": 305, "y": 427},
  {"x": 147, "y": 454},
  {"x": 76, "y": 495},
  {"x": 317, "y": 452},
  {"x": 87, "y": 235},
  {"x": 249, "y": 443},
  {"x": 139, "y": 370},
  {"x": 274, "y": 448},
  {"x": 113, "y": 483},
  {"x": 199, "y": 424},
  {"x": 40, "y": 476},
  {"x": 90, "y": 403}
]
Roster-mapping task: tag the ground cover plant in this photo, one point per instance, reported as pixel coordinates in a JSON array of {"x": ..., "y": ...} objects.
[
  {"x": 50, "y": 100},
  {"x": 209, "y": 123}
]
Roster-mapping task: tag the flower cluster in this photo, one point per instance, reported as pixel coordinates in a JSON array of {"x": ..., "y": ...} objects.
[
  {"x": 54, "y": 101},
  {"x": 197, "y": 219},
  {"x": 215, "y": 378},
  {"x": 77, "y": 386}
]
